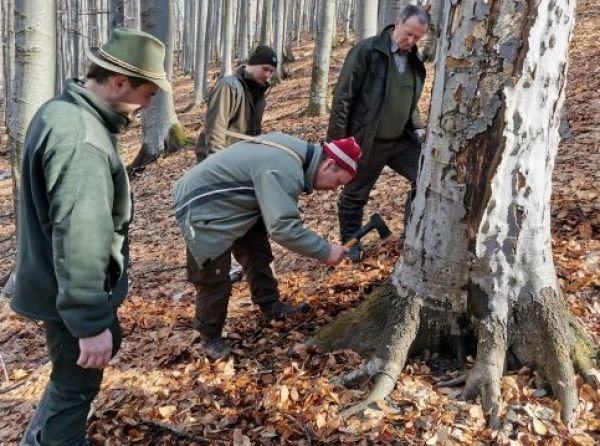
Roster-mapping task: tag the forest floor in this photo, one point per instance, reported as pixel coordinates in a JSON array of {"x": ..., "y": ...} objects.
[{"x": 160, "y": 389}]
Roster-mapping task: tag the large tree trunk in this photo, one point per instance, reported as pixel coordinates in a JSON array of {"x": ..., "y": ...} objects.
[
  {"x": 477, "y": 258},
  {"x": 34, "y": 77},
  {"x": 162, "y": 132},
  {"x": 317, "y": 103}
]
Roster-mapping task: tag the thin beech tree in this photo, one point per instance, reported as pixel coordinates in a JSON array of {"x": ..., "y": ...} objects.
[{"x": 317, "y": 104}]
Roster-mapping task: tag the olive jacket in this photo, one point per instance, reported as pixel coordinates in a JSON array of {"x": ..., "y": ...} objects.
[{"x": 75, "y": 209}]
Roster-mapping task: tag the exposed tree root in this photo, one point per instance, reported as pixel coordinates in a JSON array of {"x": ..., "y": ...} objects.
[
  {"x": 540, "y": 333},
  {"x": 485, "y": 378},
  {"x": 547, "y": 337}
]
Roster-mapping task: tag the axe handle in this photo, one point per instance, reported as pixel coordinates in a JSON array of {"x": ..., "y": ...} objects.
[{"x": 350, "y": 243}]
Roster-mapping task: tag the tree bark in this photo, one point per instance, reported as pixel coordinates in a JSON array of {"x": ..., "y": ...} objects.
[
  {"x": 201, "y": 68},
  {"x": 227, "y": 38},
  {"x": 477, "y": 258},
  {"x": 279, "y": 35},
  {"x": 117, "y": 13},
  {"x": 244, "y": 26},
  {"x": 317, "y": 104},
  {"x": 132, "y": 14},
  {"x": 162, "y": 132},
  {"x": 266, "y": 30},
  {"x": 34, "y": 77},
  {"x": 435, "y": 9},
  {"x": 8, "y": 54},
  {"x": 366, "y": 19},
  {"x": 389, "y": 10}
]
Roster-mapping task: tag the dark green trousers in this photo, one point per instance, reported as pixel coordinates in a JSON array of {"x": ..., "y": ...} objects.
[
  {"x": 61, "y": 415},
  {"x": 402, "y": 156},
  {"x": 213, "y": 286}
]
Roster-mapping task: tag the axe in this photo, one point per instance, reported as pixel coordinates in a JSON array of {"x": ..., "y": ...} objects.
[{"x": 375, "y": 223}]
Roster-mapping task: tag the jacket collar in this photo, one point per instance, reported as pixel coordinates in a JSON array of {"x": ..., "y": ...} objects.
[
  {"x": 242, "y": 74},
  {"x": 311, "y": 172},
  {"x": 75, "y": 91}
]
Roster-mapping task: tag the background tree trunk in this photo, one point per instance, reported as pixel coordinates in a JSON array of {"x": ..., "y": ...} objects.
[
  {"x": 117, "y": 13},
  {"x": 279, "y": 35},
  {"x": 162, "y": 132},
  {"x": 132, "y": 14},
  {"x": 317, "y": 104},
  {"x": 389, "y": 10},
  {"x": 201, "y": 67},
  {"x": 227, "y": 38},
  {"x": 8, "y": 54},
  {"x": 366, "y": 19},
  {"x": 436, "y": 9},
  {"x": 266, "y": 30},
  {"x": 244, "y": 30},
  {"x": 477, "y": 258},
  {"x": 34, "y": 77}
]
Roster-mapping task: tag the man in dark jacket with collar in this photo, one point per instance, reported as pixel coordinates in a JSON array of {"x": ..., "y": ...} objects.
[
  {"x": 375, "y": 100},
  {"x": 237, "y": 199},
  {"x": 75, "y": 211}
]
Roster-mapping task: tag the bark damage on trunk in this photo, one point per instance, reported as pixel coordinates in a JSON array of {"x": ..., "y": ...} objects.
[{"x": 477, "y": 260}]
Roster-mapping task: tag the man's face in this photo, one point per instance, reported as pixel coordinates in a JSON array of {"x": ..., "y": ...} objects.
[
  {"x": 407, "y": 34},
  {"x": 128, "y": 99},
  {"x": 261, "y": 74},
  {"x": 330, "y": 176}
]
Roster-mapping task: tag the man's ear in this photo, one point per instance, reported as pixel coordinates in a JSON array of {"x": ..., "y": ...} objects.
[{"x": 118, "y": 81}]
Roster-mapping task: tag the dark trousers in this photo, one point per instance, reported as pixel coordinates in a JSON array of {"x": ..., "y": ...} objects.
[
  {"x": 402, "y": 156},
  {"x": 213, "y": 287},
  {"x": 61, "y": 414}
]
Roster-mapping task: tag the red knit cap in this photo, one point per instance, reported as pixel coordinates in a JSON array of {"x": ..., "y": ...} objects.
[{"x": 345, "y": 152}]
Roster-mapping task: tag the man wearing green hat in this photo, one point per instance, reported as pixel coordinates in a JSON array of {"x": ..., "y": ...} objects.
[{"x": 75, "y": 211}]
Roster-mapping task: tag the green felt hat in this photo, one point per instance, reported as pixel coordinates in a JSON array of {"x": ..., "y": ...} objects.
[{"x": 133, "y": 53}]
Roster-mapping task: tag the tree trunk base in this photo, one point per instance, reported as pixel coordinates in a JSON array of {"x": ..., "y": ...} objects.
[{"x": 388, "y": 327}]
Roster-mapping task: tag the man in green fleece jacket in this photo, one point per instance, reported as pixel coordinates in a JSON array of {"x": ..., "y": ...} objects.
[
  {"x": 75, "y": 211},
  {"x": 233, "y": 201}
]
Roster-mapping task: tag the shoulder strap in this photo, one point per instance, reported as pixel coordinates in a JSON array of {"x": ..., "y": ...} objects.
[{"x": 258, "y": 140}]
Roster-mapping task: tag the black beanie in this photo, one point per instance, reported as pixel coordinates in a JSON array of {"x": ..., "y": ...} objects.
[{"x": 263, "y": 55}]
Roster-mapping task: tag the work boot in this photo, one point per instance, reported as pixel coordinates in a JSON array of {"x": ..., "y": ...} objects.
[
  {"x": 216, "y": 348},
  {"x": 281, "y": 310},
  {"x": 350, "y": 220}
]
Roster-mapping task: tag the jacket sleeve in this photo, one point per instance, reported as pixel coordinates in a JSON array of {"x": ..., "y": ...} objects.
[
  {"x": 80, "y": 193},
  {"x": 348, "y": 86},
  {"x": 277, "y": 193},
  {"x": 222, "y": 106},
  {"x": 415, "y": 119}
]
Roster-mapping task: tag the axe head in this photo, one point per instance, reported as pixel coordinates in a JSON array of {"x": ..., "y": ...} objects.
[{"x": 377, "y": 223}]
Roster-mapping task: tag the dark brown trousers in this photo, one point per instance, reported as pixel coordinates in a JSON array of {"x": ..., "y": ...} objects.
[{"x": 213, "y": 287}]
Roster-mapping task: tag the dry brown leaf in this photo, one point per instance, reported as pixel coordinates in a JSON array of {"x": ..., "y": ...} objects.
[
  {"x": 239, "y": 439},
  {"x": 167, "y": 411}
]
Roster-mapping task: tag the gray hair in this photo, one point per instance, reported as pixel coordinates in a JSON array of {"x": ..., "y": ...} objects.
[{"x": 415, "y": 11}]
